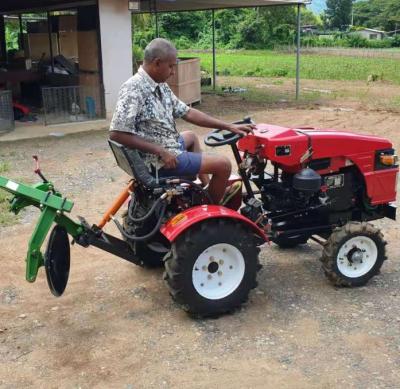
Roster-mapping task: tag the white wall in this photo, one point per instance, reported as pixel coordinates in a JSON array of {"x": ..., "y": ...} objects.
[
  {"x": 370, "y": 34},
  {"x": 116, "y": 47}
]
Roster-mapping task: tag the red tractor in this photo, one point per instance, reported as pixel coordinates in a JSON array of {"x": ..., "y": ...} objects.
[{"x": 299, "y": 184}]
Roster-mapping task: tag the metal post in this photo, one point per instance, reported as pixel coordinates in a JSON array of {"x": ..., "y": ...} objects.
[
  {"x": 49, "y": 31},
  {"x": 21, "y": 33},
  {"x": 74, "y": 89},
  {"x": 298, "y": 52},
  {"x": 213, "y": 50},
  {"x": 157, "y": 29},
  {"x": 3, "y": 44}
]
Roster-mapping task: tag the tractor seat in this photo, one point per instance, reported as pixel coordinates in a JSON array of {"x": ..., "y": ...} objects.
[{"x": 130, "y": 162}]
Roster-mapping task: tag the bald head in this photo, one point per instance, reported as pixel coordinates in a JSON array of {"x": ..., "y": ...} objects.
[{"x": 159, "y": 48}]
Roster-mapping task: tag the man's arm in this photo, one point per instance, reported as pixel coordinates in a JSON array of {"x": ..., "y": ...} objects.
[
  {"x": 136, "y": 142},
  {"x": 201, "y": 119}
]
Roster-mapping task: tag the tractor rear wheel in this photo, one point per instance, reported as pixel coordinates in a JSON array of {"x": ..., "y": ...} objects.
[
  {"x": 150, "y": 253},
  {"x": 353, "y": 254},
  {"x": 212, "y": 267}
]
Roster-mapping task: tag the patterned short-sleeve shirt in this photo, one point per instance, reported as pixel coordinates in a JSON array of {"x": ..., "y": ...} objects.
[{"x": 149, "y": 109}]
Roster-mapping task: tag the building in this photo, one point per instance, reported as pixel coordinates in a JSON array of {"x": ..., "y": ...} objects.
[
  {"x": 73, "y": 57},
  {"x": 84, "y": 44},
  {"x": 370, "y": 34},
  {"x": 310, "y": 29}
]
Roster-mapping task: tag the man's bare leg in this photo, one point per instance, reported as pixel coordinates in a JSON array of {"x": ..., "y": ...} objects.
[
  {"x": 220, "y": 168},
  {"x": 192, "y": 144}
]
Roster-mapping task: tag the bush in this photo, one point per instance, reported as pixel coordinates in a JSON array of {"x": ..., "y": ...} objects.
[
  {"x": 183, "y": 43},
  {"x": 225, "y": 72},
  {"x": 356, "y": 40},
  {"x": 395, "y": 41},
  {"x": 380, "y": 44},
  {"x": 248, "y": 73},
  {"x": 279, "y": 72},
  {"x": 137, "y": 53}
]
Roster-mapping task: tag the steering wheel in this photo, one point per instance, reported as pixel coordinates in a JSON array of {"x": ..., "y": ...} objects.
[{"x": 218, "y": 138}]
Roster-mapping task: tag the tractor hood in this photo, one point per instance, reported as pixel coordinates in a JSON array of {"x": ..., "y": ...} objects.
[{"x": 288, "y": 146}]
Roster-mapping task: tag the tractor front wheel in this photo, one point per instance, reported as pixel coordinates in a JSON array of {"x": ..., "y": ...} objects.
[
  {"x": 353, "y": 254},
  {"x": 212, "y": 267}
]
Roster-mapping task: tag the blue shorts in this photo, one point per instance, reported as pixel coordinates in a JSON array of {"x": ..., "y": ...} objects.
[{"x": 189, "y": 164}]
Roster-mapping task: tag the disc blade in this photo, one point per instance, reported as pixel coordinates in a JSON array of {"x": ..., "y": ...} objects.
[{"x": 57, "y": 260}]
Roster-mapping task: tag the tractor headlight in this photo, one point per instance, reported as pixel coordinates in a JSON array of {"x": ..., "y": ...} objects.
[{"x": 388, "y": 160}]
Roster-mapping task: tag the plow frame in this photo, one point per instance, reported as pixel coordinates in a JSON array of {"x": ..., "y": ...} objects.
[{"x": 52, "y": 207}]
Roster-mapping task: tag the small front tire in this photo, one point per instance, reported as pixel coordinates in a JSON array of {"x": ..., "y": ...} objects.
[{"x": 353, "y": 254}]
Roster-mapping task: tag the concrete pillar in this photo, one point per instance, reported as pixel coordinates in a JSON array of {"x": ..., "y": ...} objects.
[{"x": 116, "y": 48}]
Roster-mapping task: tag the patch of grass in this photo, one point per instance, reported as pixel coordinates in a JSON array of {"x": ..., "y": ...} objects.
[
  {"x": 6, "y": 217},
  {"x": 395, "y": 103},
  {"x": 4, "y": 167},
  {"x": 256, "y": 63},
  {"x": 277, "y": 82}
]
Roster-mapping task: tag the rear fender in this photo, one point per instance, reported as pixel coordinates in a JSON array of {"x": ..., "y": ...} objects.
[{"x": 184, "y": 220}]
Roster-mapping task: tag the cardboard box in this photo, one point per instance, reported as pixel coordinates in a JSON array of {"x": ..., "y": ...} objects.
[
  {"x": 67, "y": 23},
  {"x": 68, "y": 41},
  {"x": 37, "y": 44},
  {"x": 88, "y": 51},
  {"x": 186, "y": 83}
]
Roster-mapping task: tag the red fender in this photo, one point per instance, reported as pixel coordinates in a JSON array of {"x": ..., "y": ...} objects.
[{"x": 184, "y": 220}]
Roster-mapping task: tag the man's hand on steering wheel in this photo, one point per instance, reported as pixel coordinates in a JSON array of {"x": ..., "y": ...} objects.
[{"x": 242, "y": 129}]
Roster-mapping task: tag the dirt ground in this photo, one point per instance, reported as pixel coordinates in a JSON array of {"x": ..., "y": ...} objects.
[{"x": 116, "y": 326}]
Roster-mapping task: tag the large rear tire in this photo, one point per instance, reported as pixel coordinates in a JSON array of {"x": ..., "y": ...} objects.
[
  {"x": 353, "y": 254},
  {"x": 150, "y": 253},
  {"x": 212, "y": 267}
]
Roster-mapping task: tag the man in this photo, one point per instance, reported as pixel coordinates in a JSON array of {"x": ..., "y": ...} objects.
[{"x": 144, "y": 119}]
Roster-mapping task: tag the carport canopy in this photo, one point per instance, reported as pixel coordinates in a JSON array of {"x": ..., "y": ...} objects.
[
  {"x": 197, "y": 5},
  {"x": 157, "y": 6},
  {"x": 144, "y": 5}
]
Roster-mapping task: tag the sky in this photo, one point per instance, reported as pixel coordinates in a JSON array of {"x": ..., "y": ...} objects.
[{"x": 318, "y": 5}]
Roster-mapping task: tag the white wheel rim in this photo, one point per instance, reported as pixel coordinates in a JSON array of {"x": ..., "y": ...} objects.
[
  {"x": 357, "y": 256},
  {"x": 218, "y": 271}
]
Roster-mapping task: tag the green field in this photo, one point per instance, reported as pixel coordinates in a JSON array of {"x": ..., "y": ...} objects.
[{"x": 313, "y": 66}]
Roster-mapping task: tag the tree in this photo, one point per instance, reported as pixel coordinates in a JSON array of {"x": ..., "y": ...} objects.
[
  {"x": 308, "y": 17},
  {"x": 12, "y": 33},
  {"x": 364, "y": 13},
  {"x": 389, "y": 19},
  {"x": 252, "y": 28},
  {"x": 338, "y": 13},
  {"x": 178, "y": 24},
  {"x": 382, "y": 14}
]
